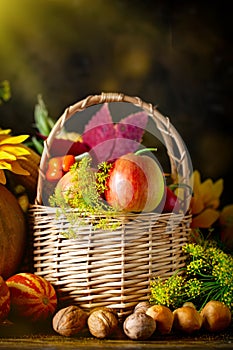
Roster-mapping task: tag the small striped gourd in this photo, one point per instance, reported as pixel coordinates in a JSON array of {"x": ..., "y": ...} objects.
[{"x": 33, "y": 298}]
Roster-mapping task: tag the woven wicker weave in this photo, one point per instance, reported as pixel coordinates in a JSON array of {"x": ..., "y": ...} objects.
[{"x": 111, "y": 268}]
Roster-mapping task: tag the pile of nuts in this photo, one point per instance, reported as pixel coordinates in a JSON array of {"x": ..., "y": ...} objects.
[
  {"x": 101, "y": 322},
  {"x": 145, "y": 320}
]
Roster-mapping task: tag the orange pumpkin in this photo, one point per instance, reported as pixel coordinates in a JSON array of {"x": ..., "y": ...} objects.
[
  {"x": 33, "y": 298},
  {"x": 12, "y": 233},
  {"x": 4, "y": 300}
]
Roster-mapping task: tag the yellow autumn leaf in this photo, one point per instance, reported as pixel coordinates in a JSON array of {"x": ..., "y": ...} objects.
[
  {"x": 196, "y": 180},
  {"x": 205, "y": 200},
  {"x": 196, "y": 204},
  {"x": 206, "y": 190},
  {"x": 226, "y": 216},
  {"x": 205, "y": 219},
  {"x": 213, "y": 203},
  {"x": 218, "y": 188}
]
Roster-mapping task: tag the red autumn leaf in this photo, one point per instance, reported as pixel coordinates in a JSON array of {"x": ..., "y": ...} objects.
[
  {"x": 110, "y": 141},
  {"x": 100, "y": 128},
  {"x": 129, "y": 132}
]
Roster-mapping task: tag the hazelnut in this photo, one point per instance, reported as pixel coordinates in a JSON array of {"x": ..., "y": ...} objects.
[
  {"x": 139, "y": 326},
  {"x": 216, "y": 316},
  {"x": 190, "y": 304},
  {"x": 163, "y": 317},
  {"x": 69, "y": 321},
  {"x": 102, "y": 322},
  {"x": 187, "y": 319},
  {"x": 142, "y": 306}
]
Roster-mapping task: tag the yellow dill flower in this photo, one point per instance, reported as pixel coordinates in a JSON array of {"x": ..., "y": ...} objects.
[
  {"x": 205, "y": 201},
  {"x": 12, "y": 150}
]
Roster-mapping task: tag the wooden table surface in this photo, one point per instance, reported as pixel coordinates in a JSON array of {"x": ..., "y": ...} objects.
[{"x": 26, "y": 337}]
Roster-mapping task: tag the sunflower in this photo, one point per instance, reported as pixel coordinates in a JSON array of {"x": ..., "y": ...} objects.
[{"x": 11, "y": 151}]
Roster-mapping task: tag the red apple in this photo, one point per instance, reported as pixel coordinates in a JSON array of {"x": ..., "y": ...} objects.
[
  {"x": 135, "y": 184},
  {"x": 172, "y": 203}
]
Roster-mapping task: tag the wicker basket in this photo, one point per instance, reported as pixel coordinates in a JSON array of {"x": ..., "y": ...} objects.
[{"x": 111, "y": 268}]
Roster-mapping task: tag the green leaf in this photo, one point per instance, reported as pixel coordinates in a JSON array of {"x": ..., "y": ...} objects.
[{"x": 43, "y": 122}]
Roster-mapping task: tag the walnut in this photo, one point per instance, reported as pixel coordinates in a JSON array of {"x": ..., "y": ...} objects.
[
  {"x": 69, "y": 321},
  {"x": 139, "y": 326},
  {"x": 102, "y": 322},
  {"x": 142, "y": 306}
]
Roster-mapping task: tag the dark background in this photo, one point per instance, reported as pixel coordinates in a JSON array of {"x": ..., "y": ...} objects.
[{"x": 175, "y": 54}]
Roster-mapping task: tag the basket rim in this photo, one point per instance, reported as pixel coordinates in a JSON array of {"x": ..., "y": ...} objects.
[{"x": 180, "y": 163}]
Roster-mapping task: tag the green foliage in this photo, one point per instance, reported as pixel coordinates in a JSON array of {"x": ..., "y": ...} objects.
[
  {"x": 5, "y": 91},
  {"x": 84, "y": 197},
  {"x": 43, "y": 123},
  {"x": 208, "y": 275}
]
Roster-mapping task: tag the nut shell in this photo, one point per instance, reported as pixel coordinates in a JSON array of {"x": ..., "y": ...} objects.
[
  {"x": 142, "y": 306},
  {"x": 102, "y": 322},
  {"x": 139, "y": 326},
  {"x": 187, "y": 319},
  {"x": 163, "y": 317},
  {"x": 216, "y": 316},
  {"x": 69, "y": 321}
]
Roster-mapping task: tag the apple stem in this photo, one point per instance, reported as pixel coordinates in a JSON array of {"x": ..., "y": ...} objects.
[
  {"x": 144, "y": 150},
  {"x": 174, "y": 186}
]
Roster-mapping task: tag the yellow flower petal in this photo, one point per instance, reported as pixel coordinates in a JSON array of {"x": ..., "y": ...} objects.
[
  {"x": 205, "y": 219},
  {"x": 17, "y": 169},
  {"x": 14, "y": 139},
  {"x": 5, "y": 155},
  {"x": 5, "y": 165},
  {"x": 12, "y": 150},
  {"x": 17, "y": 150},
  {"x": 22, "y": 157},
  {"x": 5, "y": 132},
  {"x": 3, "y": 137},
  {"x": 2, "y": 177}
]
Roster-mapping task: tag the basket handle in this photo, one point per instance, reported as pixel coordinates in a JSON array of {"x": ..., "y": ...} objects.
[{"x": 176, "y": 149}]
